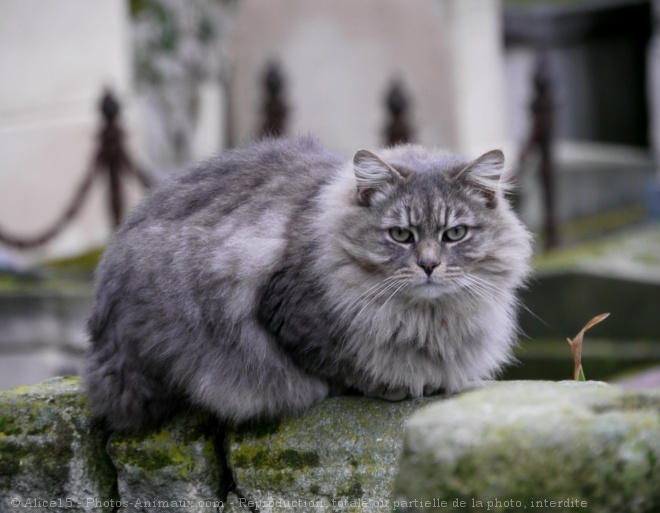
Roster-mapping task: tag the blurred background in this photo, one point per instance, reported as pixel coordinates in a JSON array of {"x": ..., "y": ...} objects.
[{"x": 99, "y": 101}]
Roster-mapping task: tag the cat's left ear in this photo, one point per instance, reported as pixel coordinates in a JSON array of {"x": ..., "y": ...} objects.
[
  {"x": 375, "y": 177},
  {"x": 485, "y": 174}
]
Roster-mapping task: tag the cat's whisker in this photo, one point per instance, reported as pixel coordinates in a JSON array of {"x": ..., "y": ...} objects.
[
  {"x": 380, "y": 293},
  {"x": 345, "y": 310},
  {"x": 492, "y": 288},
  {"x": 392, "y": 284},
  {"x": 489, "y": 294},
  {"x": 387, "y": 300}
]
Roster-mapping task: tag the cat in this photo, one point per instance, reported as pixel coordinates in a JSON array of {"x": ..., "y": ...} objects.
[{"x": 264, "y": 279}]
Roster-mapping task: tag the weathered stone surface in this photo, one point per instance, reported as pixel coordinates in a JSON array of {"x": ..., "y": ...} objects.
[
  {"x": 177, "y": 468},
  {"x": 52, "y": 457},
  {"x": 236, "y": 504},
  {"x": 342, "y": 455},
  {"x": 597, "y": 446}
]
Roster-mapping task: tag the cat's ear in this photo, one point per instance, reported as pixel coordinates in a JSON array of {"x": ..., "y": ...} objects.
[
  {"x": 374, "y": 176},
  {"x": 485, "y": 174}
]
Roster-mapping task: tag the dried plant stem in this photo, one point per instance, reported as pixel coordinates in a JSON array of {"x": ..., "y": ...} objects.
[{"x": 576, "y": 346}]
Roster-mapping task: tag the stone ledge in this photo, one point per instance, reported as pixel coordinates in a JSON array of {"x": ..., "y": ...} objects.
[
  {"x": 49, "y": 449},
  {"x": 516, "y": 441},
  {"x": 345, "y": 450},
  {"x": 526, "y": 442}
]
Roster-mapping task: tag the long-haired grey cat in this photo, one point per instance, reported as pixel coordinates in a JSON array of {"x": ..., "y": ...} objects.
[{"x": 264, "y": 279}]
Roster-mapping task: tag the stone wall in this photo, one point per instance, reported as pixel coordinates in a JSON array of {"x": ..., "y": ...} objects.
[{"x": 503, "y": 447}]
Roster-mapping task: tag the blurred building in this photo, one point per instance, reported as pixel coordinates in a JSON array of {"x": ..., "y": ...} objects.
[
  {"x": 193, "y": 77},
  {"x": 340, "y": 58},
  {"x": 55, "y": 60},
  {"x": 190, "y": 78},
  {"x": 595, "y": 58}
]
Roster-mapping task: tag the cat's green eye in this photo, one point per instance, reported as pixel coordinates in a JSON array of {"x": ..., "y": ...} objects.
[
  {"x": 455, "y": 233},
  {"x": 401, "y": 234}
]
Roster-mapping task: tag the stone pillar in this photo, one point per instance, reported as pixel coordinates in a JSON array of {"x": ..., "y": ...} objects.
[{"x": 471, "y": 33}]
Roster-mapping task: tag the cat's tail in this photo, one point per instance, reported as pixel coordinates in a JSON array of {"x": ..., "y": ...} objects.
[{"x": 124, "y": 394}]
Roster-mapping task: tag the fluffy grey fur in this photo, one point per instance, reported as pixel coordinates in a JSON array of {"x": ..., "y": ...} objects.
[{"x": 261, "y": 280}]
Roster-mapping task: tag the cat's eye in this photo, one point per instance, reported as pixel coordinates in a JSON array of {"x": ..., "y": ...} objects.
[
  {"x": 455, "y": 233},
  {"x": 401, "y": 234}
]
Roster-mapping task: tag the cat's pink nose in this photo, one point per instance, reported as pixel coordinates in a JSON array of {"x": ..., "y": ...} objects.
[{"x": 428, "y": 265}]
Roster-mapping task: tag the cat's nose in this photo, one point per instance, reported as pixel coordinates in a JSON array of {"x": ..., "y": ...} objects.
[{"x": 428, "y": 265}]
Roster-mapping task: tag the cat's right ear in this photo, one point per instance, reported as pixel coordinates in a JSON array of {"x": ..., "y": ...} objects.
[
  {"x": 374, "y": 176},
  {"x": 484, "y": 175}
]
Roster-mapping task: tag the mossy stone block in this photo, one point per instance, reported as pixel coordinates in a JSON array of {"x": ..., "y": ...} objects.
[
  {"x": 342, "y": 455},
  {"x": 176, "y": 468},
  {"x": 523, "y": 445},
  {"x": 235, "y": 504},
  {"x": 52, "y": 455}
]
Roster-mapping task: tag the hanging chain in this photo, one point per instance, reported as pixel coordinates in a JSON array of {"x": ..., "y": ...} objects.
[{"x": 110, "y": 158}]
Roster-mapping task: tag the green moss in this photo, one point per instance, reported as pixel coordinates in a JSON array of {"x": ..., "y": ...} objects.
[
  {"x": 344, "y": 446},
  {"x": 49, "y": 459},
  {"x": 353, "y": 491},
  {"x": 154, "y": 453},
  {"x": 46, "y": 427},
  {"x": 604, "y": 222},
  {"x": 67, "y": 274},
  {"x": 529, "y": 454},
  {"x": 259, "y": 458},
  {"x": 153, "y": 460},
  {"x": 299, "y": 459},
  {"x": 8, "y": 426},
  {"x": 645, "y": 242},
  {"x": 10, "y": 282},
  {"x": 249, "y": 457},
  {"x": 629, "y": 403},
  {"x": 83, "y": 263},
  {"x": 12, "y": 456},
  {"x": 650, "y": 259},
  {"x": 180, "y": 450}
]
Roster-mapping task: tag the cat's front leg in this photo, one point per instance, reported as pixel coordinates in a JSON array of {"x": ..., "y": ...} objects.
[{"x": 251, "y": 378}]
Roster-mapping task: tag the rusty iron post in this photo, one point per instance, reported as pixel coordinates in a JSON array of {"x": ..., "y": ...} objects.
[
  {"x": 110, "y": 155},
  {"x": 275, "y": 110},
  {"x": 113, "y": 157},
  {"x": 398, "y": 129},
  {"x": 541, "y": 140}
]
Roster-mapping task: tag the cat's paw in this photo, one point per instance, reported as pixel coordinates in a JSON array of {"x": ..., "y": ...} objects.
[
  {"x": 432, "y": 390},
  {"x": 387, "y": 393}
]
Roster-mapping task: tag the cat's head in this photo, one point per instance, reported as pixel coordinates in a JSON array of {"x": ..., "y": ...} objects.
[{"x": 435, "y": 223}]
